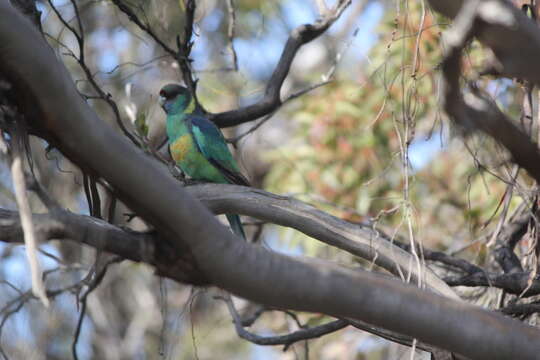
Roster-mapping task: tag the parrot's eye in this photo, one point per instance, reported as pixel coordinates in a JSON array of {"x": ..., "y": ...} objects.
[{"x": 162, "y": 93}]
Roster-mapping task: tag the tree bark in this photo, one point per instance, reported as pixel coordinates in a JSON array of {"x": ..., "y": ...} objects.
[{"x": 248, "y": 271}]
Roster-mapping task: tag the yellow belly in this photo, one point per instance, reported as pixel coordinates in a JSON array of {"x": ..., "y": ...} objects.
[
  {"x": 192, "y": 162},
  {"x": 181, "y": 147}
]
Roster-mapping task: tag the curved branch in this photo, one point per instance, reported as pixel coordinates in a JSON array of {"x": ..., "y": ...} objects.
[
  {"x": 286, "y": 211},
  {"x": 287, "y": 340},
  {"x": 281, "y": 210},
  {"x": 61, "y": 224},
  {"x": 243, "y": 269},
  {"x": 514, "y": 38},
  {"x": 272, "y": 100},
  {"x": 475, "y": 110}
]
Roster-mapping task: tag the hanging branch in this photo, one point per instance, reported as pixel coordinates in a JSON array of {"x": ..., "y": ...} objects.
[{"x": 31, "y": 238}]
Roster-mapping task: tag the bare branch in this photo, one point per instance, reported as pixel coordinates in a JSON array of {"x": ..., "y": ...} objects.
[
  {"x": 263, "y": 121},
  {"x": 62, "y": 224},
  {"x": 313, "y": 332},
  {"x": 184, "y": 49},
  {"x": 514, "y": 38},
  {"x": 143, "y": 26},
  {"x": 362, "y": 242},
  {"x": 271, "y": 99},
  {"x": 476, "y": 111},
  {"x": 287, "y": 340},
  {"x": 98, "y": 278},
  {"x": 89, "y": 76},
  {"x": 431, "y": 255},
  {"x": 521, "y": 310},
  {"x": 233, "y": 265},
  {"x": 504, "y": 253},
  {"x": 513, "y": 283},
  {"x": 36, "y": 187}
]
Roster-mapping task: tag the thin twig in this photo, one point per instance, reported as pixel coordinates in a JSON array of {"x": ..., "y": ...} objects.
[
  {"x": 91, "y": 287},
  {"x": 293, "y": 96},
  {"x": 184, "y": 49},
  {"x": 143, "y": 26},
  {"x": 79, "y": 36},
  {"x": 231, "y": 33},
  {"x": 286, "y": 340}
]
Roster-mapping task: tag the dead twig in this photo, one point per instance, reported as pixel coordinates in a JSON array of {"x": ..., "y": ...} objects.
[{"x": 30, "y": 238}]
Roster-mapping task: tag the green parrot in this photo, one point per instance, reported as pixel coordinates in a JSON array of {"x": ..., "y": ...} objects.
[{"x": 197, "y": 145}]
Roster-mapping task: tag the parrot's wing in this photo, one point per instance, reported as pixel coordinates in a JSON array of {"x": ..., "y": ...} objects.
[{"x": 211, "y": 143}]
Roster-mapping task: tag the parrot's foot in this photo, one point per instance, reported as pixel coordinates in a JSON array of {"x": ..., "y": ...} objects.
[{"x": 189, "y": 182}]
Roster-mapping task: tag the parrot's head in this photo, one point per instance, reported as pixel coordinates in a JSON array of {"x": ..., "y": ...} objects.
[{"x": 175, "y": 98}]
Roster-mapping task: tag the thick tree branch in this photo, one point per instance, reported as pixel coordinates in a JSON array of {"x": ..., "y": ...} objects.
[
  {"x": 61, "y": 224},
  {"x": 362, "y": 242},
  {"x": 476, "y": 111},
  {"x": 286, "y": 211},
  {"x": 513, "y": 37},
  {"x": 220, "y": 198},
  {"x": 241, "y": 268}
]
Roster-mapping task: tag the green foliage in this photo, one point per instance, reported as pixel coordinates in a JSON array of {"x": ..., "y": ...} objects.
[{"x": 352, "y": 140}]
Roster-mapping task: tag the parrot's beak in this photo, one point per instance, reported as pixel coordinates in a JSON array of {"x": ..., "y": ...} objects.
[{"x": 162, "y": 100}]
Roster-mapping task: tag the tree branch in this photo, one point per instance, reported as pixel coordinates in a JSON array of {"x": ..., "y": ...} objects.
[
  {"x": 281, "y": 210},
  {"x": 513, "y": 283},
  {"x": 513, "y": 37},
  {"x": 241, "y": 268},
  {"x": 521, "y": 310},
  {"x": 271, "y": 99},
  {"x": 184, "y": 49},
  {"x": 286, "y": 211},
  {"x": 143, "y": 26},
  {"x": 476, "y": 111},
  {"x": 287, "y": 340}
]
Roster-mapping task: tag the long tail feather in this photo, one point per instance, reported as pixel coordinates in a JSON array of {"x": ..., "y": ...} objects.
[{"x": 236, "y": 225}]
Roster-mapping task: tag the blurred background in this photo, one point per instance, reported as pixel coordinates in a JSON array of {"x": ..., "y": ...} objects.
[{"x": 369, "y": 145}]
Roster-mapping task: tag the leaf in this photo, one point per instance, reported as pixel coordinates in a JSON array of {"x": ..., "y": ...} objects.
[{"x": 140, "y": 125}]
